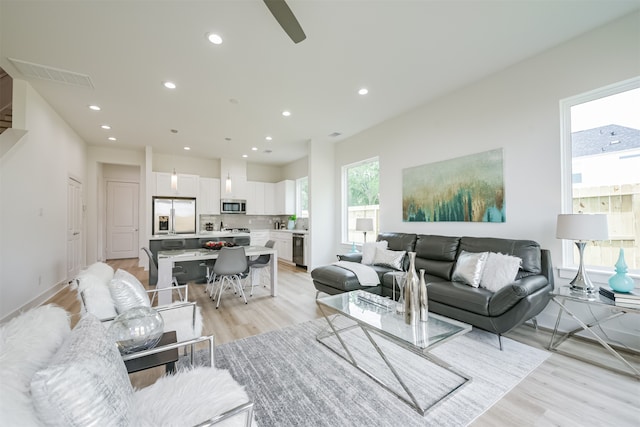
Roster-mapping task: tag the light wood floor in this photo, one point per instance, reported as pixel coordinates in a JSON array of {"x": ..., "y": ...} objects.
[{"x": 561, "y": 392}]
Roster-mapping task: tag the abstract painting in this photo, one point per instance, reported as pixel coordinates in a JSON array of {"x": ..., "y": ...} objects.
[{"x": 469, "y": 188}]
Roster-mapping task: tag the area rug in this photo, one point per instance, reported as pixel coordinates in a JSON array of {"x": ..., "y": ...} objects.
[{"x": 296, "y": 381}]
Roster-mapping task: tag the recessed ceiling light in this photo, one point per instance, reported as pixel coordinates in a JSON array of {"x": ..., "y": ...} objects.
[
  {"x": 112, "y": 138},
  {"x": 363, "y": 91},
  {"x": 187, "y": 148},
  {"x": 174, "y": 130},
  {"x": 169, "y": 85},
  {"x": 286, "y": 113},
  {"x": 227, "y": 139},
  {"x": 268, "y": 138},
  {"x": 214, "y": 38},
  {"x": 94, "y": 107},
  {"x": 107, "y": 127},
  {"x": 244, "y": 156},
  {"x": 254, "y": 148}
]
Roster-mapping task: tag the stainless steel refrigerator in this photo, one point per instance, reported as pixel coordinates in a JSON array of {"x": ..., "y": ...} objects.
[{"x": 174, "y": 215}]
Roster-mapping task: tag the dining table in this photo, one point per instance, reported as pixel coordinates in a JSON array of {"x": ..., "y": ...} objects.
[{"x": 168, "y": 259}]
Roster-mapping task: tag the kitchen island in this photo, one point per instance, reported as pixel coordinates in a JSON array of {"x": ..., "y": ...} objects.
[{"x": 193, "y": 270}]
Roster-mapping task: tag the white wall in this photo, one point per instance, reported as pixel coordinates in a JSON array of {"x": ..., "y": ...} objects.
[
  {"x": 516, "y": 109},
  {"x": 297, "y": 169},
  {"x": 208, "y": 168},
  {"x": 33, "y": 202}
]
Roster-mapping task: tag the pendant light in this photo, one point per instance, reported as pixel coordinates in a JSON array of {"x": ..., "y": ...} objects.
[
  {"x": 228, "y": 183},
  {"x": 174, "y": 181}
]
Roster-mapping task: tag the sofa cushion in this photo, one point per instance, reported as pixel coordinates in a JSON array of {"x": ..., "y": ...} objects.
[
  {"x": 369, "y": 251},
  {"x": 469, "y": 268},
  {"x": 86, "y": 382},
  {"x": 388, "y": 258},
  {"x": 173, "y": 400},
  {"x": 27, "y": 343},
  {"x": 127, "y": 291},
  {"x": 102, "y": 270},
  {"x": 436, "y": 254},
  {"x": 399, "y": 241},
  {"x": 461, "y": 296},
  {"x": 527, "y": 250},
  {"x": 500, "y": 270}
]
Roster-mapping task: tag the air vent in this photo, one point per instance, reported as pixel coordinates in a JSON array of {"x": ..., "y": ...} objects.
[
  {"x": 43, "y": 72},
  {"x": 335, "y": 134}
]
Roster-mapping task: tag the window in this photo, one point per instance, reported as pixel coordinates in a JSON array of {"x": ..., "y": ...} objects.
[
  {"x": 601, "y": 147},
  {"x": 302, "y": 197},
  {"x": 360, "y": 199}
]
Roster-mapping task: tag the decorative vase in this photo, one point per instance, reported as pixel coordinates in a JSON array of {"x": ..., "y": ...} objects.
[
  {"x": 291, "y": 224},
  {"x": 422, "y": 298},
  {"x": 137, "y": 329},
  {"x": 620, "y": 282},
  {"x": 411, "y": 304}
]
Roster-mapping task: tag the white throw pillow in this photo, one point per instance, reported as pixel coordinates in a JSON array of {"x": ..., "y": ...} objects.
[
  {"x": 469, "y": 267},
  {"x": 102, "y": 270},
  {"x": 387, "y": 258},
  {"x": 127, "y": 291},
  {"x": 369, "y": 251},
  {"x": 27, "y": 343},
  {"x": 499, "y": 271},
  {"x": 86, "y": 382}
]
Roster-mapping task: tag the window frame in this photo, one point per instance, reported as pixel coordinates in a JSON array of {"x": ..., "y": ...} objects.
[
  {"x": 299, "y": 199},
  {"x": 568, "y": 267},
  {"x": 344, "y": 217}
]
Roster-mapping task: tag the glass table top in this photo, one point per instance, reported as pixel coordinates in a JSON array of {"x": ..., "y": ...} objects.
[
  {"x": 594, "y": 299},
  {"x": 380, "y": 314}
]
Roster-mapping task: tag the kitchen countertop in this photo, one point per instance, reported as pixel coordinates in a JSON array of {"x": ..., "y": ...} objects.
[{"x": 204, "y": 234}]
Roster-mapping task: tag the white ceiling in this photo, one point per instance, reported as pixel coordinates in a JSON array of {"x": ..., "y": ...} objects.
[{"x": 405, "y": 52}]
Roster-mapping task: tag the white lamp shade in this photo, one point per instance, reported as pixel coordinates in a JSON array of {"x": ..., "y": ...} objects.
[
  {"x": 364, "y": 224},
  {"x": 582, "y": 227}
]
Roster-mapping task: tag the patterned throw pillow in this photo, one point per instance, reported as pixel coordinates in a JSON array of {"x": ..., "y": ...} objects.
[
  {"x": 499, "y": 271},
  {"x": 369, "y": 251},
  {"x": 127, "y": 291},
  {"x": 86, "y": 382},
  {"x": 387, "y": 258},
  {"x": 469, "y": 268}
]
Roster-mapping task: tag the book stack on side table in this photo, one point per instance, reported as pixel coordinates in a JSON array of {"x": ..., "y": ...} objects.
[{"x": 627, "y": 299}]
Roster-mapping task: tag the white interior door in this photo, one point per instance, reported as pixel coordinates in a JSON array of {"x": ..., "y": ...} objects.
[
  {"x": 74, "y": 227},
  {"x": 122, "y": 220}
]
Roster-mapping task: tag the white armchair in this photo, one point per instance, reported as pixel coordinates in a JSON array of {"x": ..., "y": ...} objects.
[
  {"x": 77, "y": 377},
  {"x": 106, "y": 294}
]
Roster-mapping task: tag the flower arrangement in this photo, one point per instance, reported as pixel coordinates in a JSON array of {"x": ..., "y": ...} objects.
[{"x": 293, "y": 218}]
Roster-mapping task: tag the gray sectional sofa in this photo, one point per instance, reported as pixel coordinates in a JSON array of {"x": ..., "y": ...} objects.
[{"x": 497, "y": 312}]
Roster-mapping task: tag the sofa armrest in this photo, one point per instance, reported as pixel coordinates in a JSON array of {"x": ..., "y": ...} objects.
[
  {"x": 508, "y": 296},
  {"x": 352, "y": 257}
]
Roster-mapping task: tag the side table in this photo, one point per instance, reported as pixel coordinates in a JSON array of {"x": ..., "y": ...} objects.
[
  {"x": 167, "y": 358},
  {"x": 561, "y": 296}
]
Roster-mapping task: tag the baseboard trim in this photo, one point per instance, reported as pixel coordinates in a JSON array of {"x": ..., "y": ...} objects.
[{"x": 37, "y": 301}]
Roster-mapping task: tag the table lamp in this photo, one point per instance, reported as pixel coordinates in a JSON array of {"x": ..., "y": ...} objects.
[
  {"x": 582, "y": 228},
  {"x": 364, "y": 225}
]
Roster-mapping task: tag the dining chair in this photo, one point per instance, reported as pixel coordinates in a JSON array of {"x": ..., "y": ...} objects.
[
  {"x": 258, "y": 265},
  {"x": 230, "y": 268},
  {"x": 178, "y": 271}
]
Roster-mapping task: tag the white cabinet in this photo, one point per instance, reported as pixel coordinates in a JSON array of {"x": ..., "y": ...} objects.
[
  {"x": 238, "y": 187},
  {"x": 269, "y": 198},
  {"x": 187, "y": 185},
  {"x": 285, "y": 197},
  {"x": 284, "y": 244},
  {"x": 209, "y": 196},
  {"x": 259, "y": 238},
  {"x": 255, "y": 198}
]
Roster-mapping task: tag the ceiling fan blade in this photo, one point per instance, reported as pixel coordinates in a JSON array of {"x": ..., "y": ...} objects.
[{"x": 287, "y": 20}]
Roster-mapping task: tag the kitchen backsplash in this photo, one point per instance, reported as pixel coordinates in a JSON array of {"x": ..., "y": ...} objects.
[{"x": 252, "y": 222}]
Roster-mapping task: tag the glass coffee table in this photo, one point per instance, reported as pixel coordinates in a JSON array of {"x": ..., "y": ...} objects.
[{"x": 370, "y": 316}]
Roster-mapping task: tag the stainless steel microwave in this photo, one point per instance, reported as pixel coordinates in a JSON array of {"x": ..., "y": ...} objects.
[{"x": 228, "y": 206}]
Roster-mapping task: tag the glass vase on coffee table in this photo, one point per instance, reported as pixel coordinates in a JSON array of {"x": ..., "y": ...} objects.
[{"x": 398, "y": 279}]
